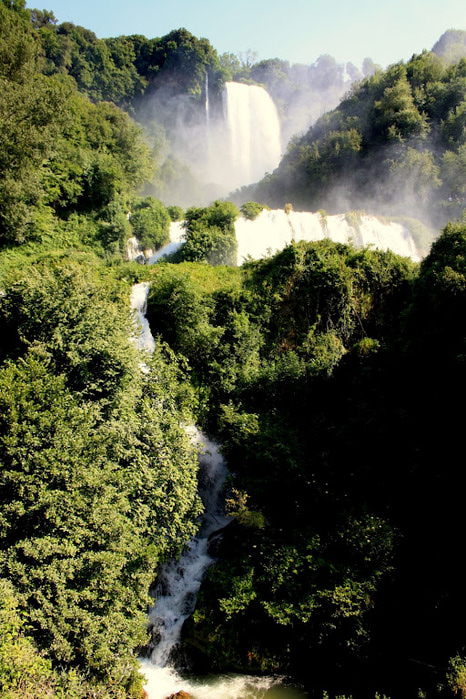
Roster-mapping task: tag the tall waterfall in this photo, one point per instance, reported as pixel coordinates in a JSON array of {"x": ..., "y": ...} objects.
[
  {"x": 252, "y": 133},
  {"x": 207, "y": 103},
  {"x": 179, "y": 581}
]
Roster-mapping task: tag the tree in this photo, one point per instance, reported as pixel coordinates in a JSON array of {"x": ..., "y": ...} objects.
[
  {"x": 251, "y": 209},
  {"x": 151, "y": 223},
  {"x": 454, "y": 174},
  {"x": 31, "y": 113},
  {"x": 23, "y": 671},
  {"x": 42, "y": 18},
  {"x": 210, "y": 234},
  {"x": 414, "y": 175},
  {"x": 396, "y": 116}
]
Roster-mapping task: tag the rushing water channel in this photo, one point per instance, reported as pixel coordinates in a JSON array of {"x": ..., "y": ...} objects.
[{"x": 180, "y": 580}]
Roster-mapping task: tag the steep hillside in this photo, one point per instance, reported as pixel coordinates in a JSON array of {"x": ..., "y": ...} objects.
[{"x": 395, "y": 145}]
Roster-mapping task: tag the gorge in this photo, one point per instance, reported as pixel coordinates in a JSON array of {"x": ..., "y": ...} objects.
[{"x": 180, "y": 579}]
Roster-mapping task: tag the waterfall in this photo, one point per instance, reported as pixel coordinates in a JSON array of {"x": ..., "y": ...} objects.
[
  {"x": 272, "y": 230},
  {"x": 252, "y": 134},
  {"x": 207, "y": 106},
  {"x": 179, "y": 581},
  {"x": 138, "y": 302},
  {"x": 231, "y": 143}
]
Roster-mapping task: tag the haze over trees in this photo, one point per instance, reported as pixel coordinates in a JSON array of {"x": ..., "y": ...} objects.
[
  {"x": 395, "y": 144},
  {"x": 331, "y": 375},
  {"x": 163, "y": 82}
]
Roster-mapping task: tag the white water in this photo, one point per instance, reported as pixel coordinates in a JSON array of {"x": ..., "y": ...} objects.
[
  {"x": 176, "y": 239},
  {"x": 272, "y": 230},
  {"x": 162, "y": 682},
  {"x": 134, "y": 250},
  {"x": 252, "y": 134},
  {"x": 138, "y": 302},
  {"x": 232, "y": 146},
  {"x": 179, "y": 582}
]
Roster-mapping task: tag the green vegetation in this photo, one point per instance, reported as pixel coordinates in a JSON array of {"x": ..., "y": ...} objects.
[
  {"x": 176, "y": 213},
  {"x": 331, "y": 376},
  {"x": 151, "y": 223},
  {"x": 128, "y": 66},
  {"x": 210, "y": 235},
  {"x": 394, "y": 145},
  {"x": 327, "y": 374},
  {"x": 251, "y": 209}
]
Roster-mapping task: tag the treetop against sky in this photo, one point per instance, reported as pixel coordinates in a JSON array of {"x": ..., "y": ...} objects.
[{"x": 298, "y": 31}]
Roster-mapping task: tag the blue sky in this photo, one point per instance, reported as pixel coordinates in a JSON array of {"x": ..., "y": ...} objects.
[{"x": 295, "y": 30}]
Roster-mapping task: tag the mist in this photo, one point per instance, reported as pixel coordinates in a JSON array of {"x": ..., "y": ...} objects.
[{"x": 210, "y": 145}]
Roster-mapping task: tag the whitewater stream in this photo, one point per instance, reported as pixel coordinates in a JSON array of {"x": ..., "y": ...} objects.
[{"x": 180, "y": 580}]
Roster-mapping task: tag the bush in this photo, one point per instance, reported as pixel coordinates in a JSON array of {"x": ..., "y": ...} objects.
[
  {"x": 456, "y": 675},
  {"x": 176, "y": 213},
  {"x": 251, "y": 210}
]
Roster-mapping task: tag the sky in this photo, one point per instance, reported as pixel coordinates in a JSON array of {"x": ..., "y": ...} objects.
[{"x": 298, "y": 31}]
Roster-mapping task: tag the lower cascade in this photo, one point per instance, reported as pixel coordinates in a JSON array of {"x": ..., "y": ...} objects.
[{"x": 180, "y": 580}]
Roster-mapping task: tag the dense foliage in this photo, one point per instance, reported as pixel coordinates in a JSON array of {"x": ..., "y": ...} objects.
[
  {"x": 98, "y": 479},
  {"x": 127, "y": 66},
  {"x": 151, "y": 223},
  {"x": 331, "y": 376},
  {"x": 327, "y": 374},
  {"x": 209, "y": 234}
]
